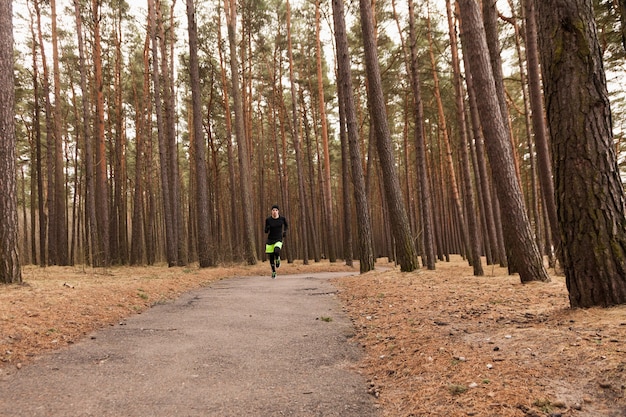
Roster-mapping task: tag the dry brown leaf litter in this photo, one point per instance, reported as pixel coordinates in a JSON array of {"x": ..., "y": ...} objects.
[{"x": 437, "y": 343}]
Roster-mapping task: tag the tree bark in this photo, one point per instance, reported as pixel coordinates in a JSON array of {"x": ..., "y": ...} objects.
[
  {"x": 329, "y": 220},
  {"x": 405, "y": 245},
  {"x": 10, "y": 268},
  {"x": 470, "y": 204},
  {"x": 101, "y": 186},
  {"x": 60, "y": 201},
  {"x": 540, "y": 129},
  {"x": 202, "y": 201},
  {"x": 244, "y": 154},
  {"x": 590, "y": 195},
  {"x": 364, "y": 224},
  {"x": 296, "y": 144},
  {"x": 522, "y": 244},
  {"x": 426, "y": 199}
]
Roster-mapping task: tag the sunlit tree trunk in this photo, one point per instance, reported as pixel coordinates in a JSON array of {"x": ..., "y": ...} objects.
[
  {"x": 10, "y": 268},
  {"x": 521, "y": 240},
  {"x": 590, "y": 195},
  {"x": 364, "y": 224},
  {"x": 405, "y": 245}
]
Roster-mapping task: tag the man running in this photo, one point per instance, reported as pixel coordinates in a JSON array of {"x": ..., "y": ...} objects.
[{"x": 276, "y": 229}]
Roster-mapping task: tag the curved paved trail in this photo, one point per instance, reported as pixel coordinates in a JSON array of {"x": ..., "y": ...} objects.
[{"x": 240, "y": 347}]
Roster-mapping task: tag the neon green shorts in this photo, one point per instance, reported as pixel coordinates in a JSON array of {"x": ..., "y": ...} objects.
[{"x": 269, "y": 248}]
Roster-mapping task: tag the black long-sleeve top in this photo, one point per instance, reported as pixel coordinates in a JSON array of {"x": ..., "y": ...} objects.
[{"x": 275, "y": 229}]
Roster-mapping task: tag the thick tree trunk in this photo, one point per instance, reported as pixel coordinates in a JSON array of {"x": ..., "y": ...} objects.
[
  {"x": 10, "y": 268},
  {"x": 590, "y": 195},
  {"x": 523, "y": 247}
]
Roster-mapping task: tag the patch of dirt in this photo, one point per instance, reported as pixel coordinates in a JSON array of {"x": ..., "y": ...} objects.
[
  {"x": 440, "y": 343},
  {"x": 447, "y": 343}
]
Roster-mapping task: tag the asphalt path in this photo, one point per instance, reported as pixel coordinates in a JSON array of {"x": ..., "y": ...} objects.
[{"x": 252, "y": 346}]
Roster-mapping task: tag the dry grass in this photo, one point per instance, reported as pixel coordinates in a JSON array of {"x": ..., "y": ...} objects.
[{"x": 437, "y": 343}]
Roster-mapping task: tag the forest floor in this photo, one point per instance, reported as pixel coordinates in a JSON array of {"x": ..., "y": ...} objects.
[{"x": 436, "y": 343}]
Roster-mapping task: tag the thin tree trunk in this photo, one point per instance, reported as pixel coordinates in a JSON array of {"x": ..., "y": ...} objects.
[
  {"x": 407, "y": 254},
  {"x": 297, "y": 146},
  {"x": 102, "y": 199},
  {"x": 540, "y": 129},
  {"x": 458, "y": 204},
  {"x": 60, "y": 203},
  {"x": 470, "y": 204},
  {"x": 244, "y": 154},
  {"x": 329, "y": 220},
  {"x": 202, "y": 201},
  {"x": 170, "y": 235},
  {"x": 426, "y": 198},
  {"x": 235, "y": 235}
]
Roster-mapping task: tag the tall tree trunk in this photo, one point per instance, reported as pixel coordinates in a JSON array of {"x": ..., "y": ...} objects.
[
  {"x": 522, "y": 243},
  {"x": 202, "y": 201},
  {"x": 170, "y": 234},
  {"x": 426, "y": 198},
  {"x": 90, "y": 192},
  {"x": 10, "y": 268},
  {"x": 329, "y": 220},
  {"x": 295, "y": 126},
  {"x": 102, "y": 195},
  {"x": 244, "y": 154},
  {"x": 235, "y": 235},
  {"x": 364, "y": 223},
  {"x": 37, "y": 138},
  {"x": 590, "y": 195},
  {"x": 407, "y": 253},
  {"x": 60, "y": 203},
  {"x": 539, "y": 124},
  {"x": 443, "y": 128},
  {"x": 470, "y": 204},
  {"x": 171, "y": 155}
]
